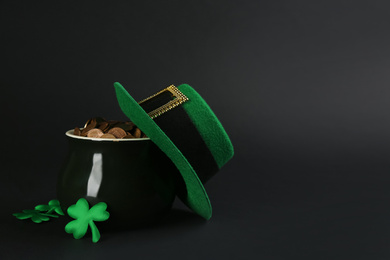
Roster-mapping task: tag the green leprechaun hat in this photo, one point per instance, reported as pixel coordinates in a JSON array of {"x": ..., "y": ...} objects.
[{"x": 179, "y": 121}]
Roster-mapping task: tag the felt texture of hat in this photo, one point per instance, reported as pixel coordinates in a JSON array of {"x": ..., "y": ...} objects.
[{"x": 201, "y": 127}]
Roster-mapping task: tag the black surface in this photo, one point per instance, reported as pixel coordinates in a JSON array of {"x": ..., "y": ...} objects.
[{"x": 302, "y": 87}]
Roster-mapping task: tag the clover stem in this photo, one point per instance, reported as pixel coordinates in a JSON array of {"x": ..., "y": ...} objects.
[{"x": 95, "y": 231}]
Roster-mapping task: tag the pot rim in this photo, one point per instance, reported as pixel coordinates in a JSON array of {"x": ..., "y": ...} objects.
[{"x": 69, "y": 133}]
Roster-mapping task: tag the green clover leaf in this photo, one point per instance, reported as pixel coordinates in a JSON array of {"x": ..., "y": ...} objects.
[
  {"x": 53, "y": 205},
  {"x": 85, "y": 217},
  {"x": 35, "y": 215}
]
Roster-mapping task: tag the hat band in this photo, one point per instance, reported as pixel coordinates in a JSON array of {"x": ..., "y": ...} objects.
[
  {"x": 178, "y": 99},
  {"x": 178, "y": 126}
]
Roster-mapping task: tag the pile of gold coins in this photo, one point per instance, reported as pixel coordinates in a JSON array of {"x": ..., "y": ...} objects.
[{"x": 99, "y": 127}]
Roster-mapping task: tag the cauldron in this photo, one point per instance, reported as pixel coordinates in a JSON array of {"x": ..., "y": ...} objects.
[{"x": 133, "y": 176}]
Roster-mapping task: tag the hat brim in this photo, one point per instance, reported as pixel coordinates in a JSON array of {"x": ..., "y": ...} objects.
[{"x": 197, "y": 198}]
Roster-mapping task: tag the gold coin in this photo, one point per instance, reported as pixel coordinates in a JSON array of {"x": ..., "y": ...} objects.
[
  {"x": 77, "y": 131},
  {"x": 104, "y": 126},
  {"x": 128, "y": 136},
  {"x": 117, "y": 132},
  {"x": 96, "y": 133},
  {"x": 91, "y": 125},
  {"x": 124, "y": 126},
  {"x": 87, "y": 123},
  {"x": 96, "y": 120},
  {"x": 109, "y": 136},
  {"x": 112, "y": 123},
  {"x": 129, "y": 126},
  {"x": 137, "y": 133},
  {"x": 84, "y": 131}
]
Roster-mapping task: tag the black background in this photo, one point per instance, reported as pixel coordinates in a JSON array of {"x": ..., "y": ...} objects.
[{"x": 302, "y": 88}]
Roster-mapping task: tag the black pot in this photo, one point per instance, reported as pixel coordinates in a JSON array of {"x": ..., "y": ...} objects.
[{"x": 133, "y": 176}]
